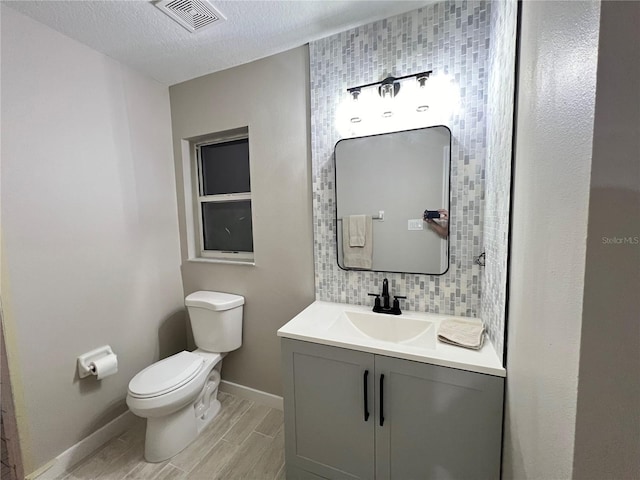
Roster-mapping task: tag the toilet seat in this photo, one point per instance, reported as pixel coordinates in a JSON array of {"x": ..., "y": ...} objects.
[{"x": 166, "y": 375}]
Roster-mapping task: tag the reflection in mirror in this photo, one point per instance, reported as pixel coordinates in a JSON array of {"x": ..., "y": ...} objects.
[{"x": 392, "y": 201}]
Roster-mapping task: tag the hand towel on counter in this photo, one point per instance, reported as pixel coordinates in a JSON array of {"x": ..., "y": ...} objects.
[
  {"x": 357, "y": 257},
  {"x": 467, "y": 333},
  {"x": 357, "y": 230}
]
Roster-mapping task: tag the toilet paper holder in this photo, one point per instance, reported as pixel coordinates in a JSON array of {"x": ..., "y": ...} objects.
[{"x": 85, "y": 367}]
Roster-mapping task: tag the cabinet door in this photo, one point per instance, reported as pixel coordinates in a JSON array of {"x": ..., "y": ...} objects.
[
  {"x": 324, "y": 410},
  {"x": 439, "y": 423}
]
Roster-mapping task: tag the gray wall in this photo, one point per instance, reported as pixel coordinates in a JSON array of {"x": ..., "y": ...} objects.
[
  {"x": 271, "y": 97},
  {"x": 556, "y": 102},
  {"x": 607, "y": 443},
  {"x": 573, "y": 388},
  {"x": 89, "y": 231}
]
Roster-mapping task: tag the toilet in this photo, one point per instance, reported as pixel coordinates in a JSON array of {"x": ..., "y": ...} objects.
[{"x": 178, "y": 395}]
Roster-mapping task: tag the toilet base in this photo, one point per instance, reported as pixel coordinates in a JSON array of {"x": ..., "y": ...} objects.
[{"x": 168, "y": 435}]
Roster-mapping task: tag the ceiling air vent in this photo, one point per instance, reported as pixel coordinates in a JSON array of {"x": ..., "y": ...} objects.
[{"x": 194, "y": 15}]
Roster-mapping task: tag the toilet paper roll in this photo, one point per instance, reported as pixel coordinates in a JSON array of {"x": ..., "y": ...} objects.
[{"x": 105, "y": 366}]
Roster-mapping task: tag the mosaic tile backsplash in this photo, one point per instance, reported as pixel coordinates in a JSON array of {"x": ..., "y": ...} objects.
[
  {"x": 498, "y": 168},
  {"x": 453, "y": 40}
]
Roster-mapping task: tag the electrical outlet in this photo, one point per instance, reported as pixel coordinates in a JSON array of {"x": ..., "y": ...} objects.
[{"x": 415, "y": 224}]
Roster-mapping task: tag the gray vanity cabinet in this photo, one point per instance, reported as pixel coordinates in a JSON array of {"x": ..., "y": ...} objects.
[
  {"x": 325, "y": 431},
  {"x": 438, "y": 422}
]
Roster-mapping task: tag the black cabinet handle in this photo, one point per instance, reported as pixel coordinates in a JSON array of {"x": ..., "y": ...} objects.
[
  {"x": 381, "y": 399},
  {"x": 366, "y": 395}
]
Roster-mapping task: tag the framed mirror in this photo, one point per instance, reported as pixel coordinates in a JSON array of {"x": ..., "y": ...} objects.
[{"x": 384, "y": 185}]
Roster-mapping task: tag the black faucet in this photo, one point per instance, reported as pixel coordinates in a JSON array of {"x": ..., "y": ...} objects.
[
  {"x": 385, "y": 294},
  {"x": 385, "y": 308}
]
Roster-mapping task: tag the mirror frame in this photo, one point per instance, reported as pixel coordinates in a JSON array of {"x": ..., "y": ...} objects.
[{"x": 335, "y": 211}]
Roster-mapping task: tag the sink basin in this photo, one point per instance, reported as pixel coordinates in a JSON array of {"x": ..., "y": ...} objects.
[{"x": 386, "y": 328}]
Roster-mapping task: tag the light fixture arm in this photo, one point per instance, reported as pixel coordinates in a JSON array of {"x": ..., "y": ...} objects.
[{"x": 391, "y": 80}]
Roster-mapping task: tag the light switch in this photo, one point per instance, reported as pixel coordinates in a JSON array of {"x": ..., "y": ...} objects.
[{"x": 415, "y": 224}]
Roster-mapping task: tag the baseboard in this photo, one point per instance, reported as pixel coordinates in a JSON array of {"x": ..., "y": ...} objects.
[
  {"x": 75, "y": 454},
  {"x": 70, "y": 457},
  {"x": 258, "y": 396}
]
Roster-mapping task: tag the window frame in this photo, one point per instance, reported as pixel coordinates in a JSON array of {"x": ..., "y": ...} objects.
[{"x": 199, "y": 199}]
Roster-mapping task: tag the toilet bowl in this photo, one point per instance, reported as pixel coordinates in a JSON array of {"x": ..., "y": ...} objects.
[{"x": 178, "y": 395}]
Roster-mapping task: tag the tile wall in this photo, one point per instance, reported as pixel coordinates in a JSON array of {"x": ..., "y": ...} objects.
[
  {"x": 498, "y": 169},
  {"x": 452, "y": 39}
]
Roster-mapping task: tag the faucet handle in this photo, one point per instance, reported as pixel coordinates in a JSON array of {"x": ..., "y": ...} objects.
[
  {"x": 376, "y": 304},
  {"x": 396, "y": 304}
]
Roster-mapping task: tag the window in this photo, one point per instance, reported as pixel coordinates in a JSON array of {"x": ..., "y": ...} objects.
[{"x": 224, "y": 198}]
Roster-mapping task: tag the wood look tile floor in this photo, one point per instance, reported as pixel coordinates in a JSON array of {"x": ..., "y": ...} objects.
[{"x": 245, "y": 441}]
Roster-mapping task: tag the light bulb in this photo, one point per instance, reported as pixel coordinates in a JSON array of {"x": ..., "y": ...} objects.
[
  {"x": 422, "y": 105},
  {"x": 387, "y": 92},
  {"x": 355, "y": 107}
]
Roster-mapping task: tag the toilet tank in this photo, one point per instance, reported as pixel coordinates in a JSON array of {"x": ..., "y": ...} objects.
[{"x": 216, "y": 320}]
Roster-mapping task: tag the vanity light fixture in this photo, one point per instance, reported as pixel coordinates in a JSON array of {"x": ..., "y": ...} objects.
[{"x": 389, "y": 88}]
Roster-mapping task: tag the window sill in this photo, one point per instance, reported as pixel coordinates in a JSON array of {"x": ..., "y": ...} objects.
[{"x": 250, "y": 263}]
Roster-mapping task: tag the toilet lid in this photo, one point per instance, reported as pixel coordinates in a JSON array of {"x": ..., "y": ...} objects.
[{"x": 166, "y": 375}]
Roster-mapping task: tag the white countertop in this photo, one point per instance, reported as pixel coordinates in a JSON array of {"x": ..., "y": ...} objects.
[{"x": 314, "y": 322}]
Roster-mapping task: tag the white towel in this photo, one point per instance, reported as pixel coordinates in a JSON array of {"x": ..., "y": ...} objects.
[
  {"x": 357, "y": 257},
  {"x": 467, "y": 333},
  {"x": 357, "y": 230}
]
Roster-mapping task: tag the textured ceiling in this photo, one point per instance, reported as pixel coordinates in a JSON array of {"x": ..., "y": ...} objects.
[{"x": 137, "y": 34}]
